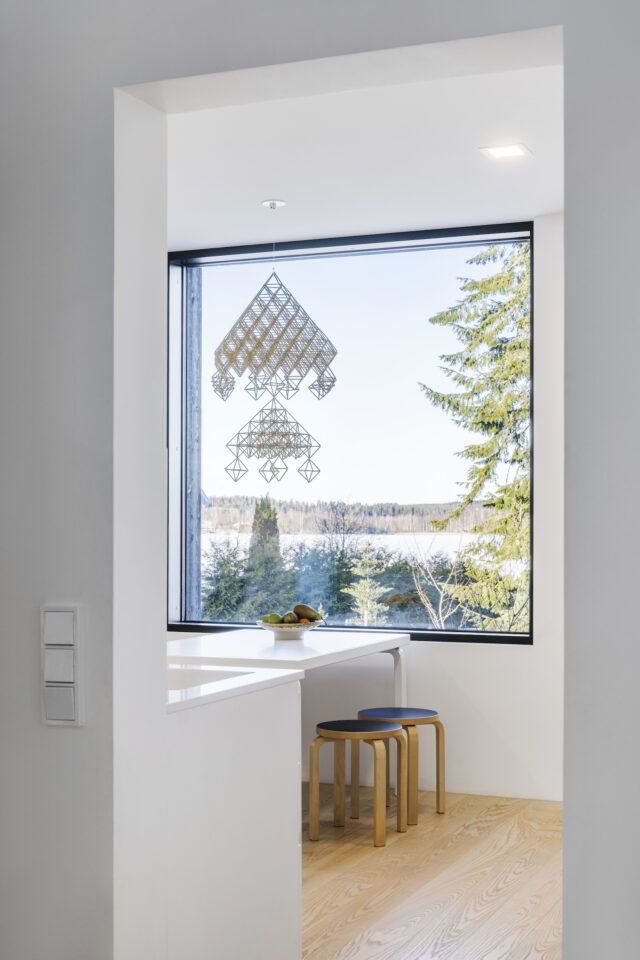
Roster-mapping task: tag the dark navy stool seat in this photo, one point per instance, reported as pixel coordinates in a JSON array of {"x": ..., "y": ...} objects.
[
  {"x": 377, "y": 733},
  {"x": 358, "y": 727},
  {"x": 399, "y": 714},
  {"x": 411, "y": 718}
]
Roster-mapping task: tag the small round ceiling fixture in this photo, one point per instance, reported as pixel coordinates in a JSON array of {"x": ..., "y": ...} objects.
[{"x": 273, "y": 204}]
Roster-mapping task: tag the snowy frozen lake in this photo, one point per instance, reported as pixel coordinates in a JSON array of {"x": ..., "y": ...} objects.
[{"x": 406, "y": 544}]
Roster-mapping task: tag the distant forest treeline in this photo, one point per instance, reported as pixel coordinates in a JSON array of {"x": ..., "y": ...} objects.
[{"x": 235, "y": 514}]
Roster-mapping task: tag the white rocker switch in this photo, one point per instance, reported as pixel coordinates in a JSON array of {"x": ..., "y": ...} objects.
[
  {"x": 58, "y": 665},
  {"x": 58, "y": 628},
  {"x": 59, "y": 704}
]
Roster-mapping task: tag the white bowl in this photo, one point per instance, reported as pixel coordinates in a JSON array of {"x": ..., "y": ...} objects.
[{"x": 289, "y": 631}]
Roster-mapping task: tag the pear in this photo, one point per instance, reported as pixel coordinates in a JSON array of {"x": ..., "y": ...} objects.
[
  {"x": 272, "y": 618},
  {"x": 290, "y": 617},
  {"x": 308, "y": 613}
]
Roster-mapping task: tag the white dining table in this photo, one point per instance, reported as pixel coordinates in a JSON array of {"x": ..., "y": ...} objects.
[{"x": 319, "y": 648}]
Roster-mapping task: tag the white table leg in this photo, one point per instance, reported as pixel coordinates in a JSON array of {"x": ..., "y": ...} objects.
[
  {"x": 399, "y": 688},
  {"x": 399, "y": 677}
]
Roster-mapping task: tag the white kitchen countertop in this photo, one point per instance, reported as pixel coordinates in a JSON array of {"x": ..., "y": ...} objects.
[
  {"x": 196, "y": 684},
  {"x": 257, "y": 648}
]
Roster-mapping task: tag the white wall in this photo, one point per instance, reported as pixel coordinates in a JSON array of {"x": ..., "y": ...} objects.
[
  {"x": 139, "y": 530},
  {"x": 207, "y": 800},
  {"x": 59, "y": 65}
]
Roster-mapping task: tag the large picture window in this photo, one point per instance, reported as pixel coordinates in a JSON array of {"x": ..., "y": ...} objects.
[{"x": 350, "y": 428}]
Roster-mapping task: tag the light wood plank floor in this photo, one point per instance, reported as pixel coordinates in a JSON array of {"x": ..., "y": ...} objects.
[{"x": 481, "y": 882}]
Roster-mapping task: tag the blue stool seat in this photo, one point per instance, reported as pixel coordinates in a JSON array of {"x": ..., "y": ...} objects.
[
  {"x": 398, "y": 714},
  {"x": 358, "y": 726}
]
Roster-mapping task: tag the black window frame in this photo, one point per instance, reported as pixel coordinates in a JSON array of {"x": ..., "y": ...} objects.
[{"x": 450, "y": 237}]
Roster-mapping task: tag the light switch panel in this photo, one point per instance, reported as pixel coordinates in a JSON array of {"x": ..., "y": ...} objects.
[
  {"x": 59, "y": 704},
  {"x": 62, "y": 702},
  {"x": 58, "y": 628},
  {"x": 58, "y": 665}
]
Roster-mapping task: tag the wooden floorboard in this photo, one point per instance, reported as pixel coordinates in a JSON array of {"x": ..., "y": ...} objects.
[{"x": 481, "y": 882}]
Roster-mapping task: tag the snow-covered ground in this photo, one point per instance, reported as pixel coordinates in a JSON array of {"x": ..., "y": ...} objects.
[{"x": 407, "y": 544}]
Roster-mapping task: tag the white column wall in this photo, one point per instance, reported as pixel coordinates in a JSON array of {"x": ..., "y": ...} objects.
[{"x": 140, "y": 537}]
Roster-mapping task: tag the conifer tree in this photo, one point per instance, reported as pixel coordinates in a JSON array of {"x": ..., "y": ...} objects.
[
  {"x": 491, "y": 374},
  {"x": 223, "y": 581},
  {"x": 366, "y": 590},
  {"x": 269, "y": 585},
  {"x": 264, "y": 547}
]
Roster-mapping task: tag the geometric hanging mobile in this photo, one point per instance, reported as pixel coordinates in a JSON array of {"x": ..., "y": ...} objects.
[
  {"x": 274, "y": 436},
  {"x": 278, "y": 343}
]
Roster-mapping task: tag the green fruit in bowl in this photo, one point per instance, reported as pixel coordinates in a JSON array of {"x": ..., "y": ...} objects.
[
  {"x": 290, "y": 617},
  {"x": 272, "y": 618},
  {"x": 308, "y": 613}
]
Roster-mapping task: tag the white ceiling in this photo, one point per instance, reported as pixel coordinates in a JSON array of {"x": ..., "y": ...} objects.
[{"x": 377, "y": 157}]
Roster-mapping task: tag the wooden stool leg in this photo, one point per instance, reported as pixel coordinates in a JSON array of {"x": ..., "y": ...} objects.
[
  {"x": 339, "y": 753},
  {"x": 379, "y": 794},
  {"x": 440, "y": 790},
  {"x": 387, "y": 750},
  {"x": 355, "y": 779},
  {"x": 401, "y": 782},
  {"x": 314, "y": 788},
  {"x": 412, "y": 774}
]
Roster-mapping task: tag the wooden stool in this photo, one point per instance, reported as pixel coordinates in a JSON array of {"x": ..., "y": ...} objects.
[
  {"x": 377, "y": 733},
  {"x": 410, "y": 719}
]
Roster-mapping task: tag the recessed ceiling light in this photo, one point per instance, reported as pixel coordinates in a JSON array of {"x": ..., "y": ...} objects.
[
  {"x": 273, "y": 204},
  {"x": 506, "y": 152}
]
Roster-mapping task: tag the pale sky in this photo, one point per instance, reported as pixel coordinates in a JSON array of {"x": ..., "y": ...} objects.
[{"x": 381, "y": 439}]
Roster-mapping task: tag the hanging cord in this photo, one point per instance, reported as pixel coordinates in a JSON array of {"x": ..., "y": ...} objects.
[{"x": 273, "y": 205}]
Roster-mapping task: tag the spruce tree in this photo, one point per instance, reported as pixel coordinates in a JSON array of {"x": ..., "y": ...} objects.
[
  {"x": 491, "y": 374},
  {"x": 366, "y": 589},
  {"x": 264, "y": 547},
  {"x": 269, "y": 585},
  {"x": 223, "y": 581}
]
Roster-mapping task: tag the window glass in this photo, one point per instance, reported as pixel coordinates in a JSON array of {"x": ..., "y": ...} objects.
[{"x": 357, "y": 435}]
